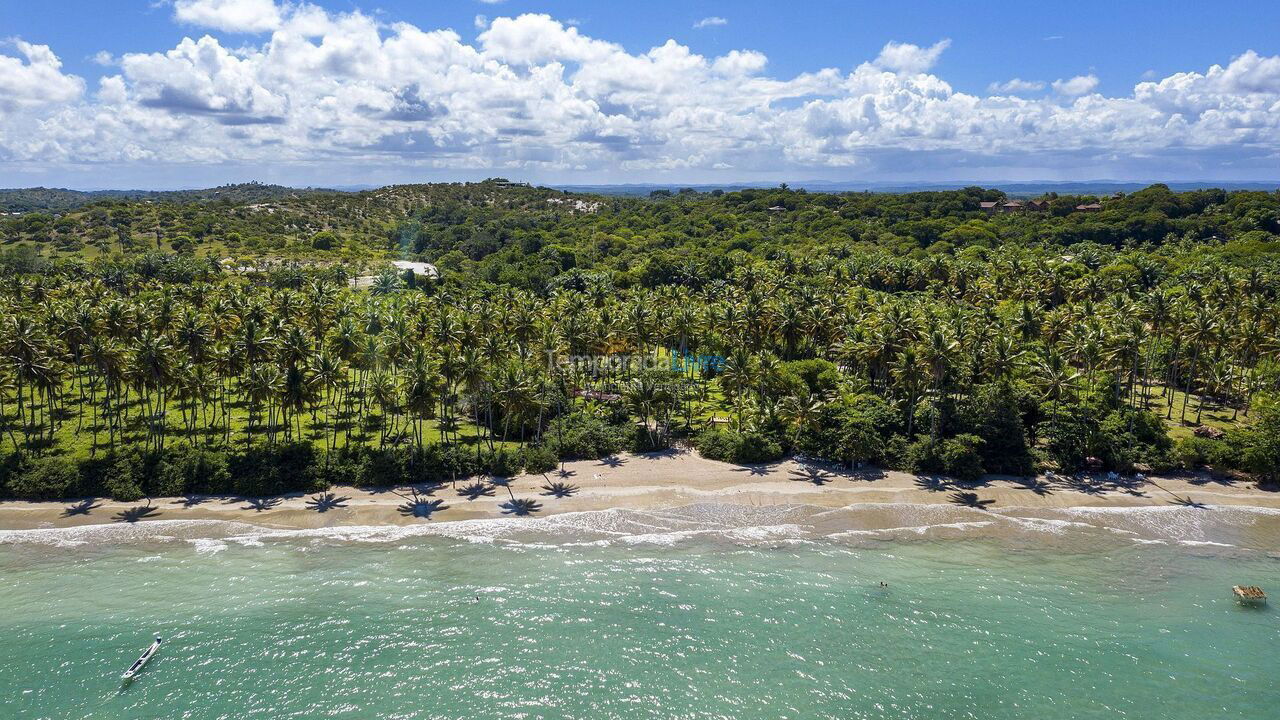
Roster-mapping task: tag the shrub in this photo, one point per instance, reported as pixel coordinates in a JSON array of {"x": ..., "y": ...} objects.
[
  {"x": 539, "y": 460},
  {"x": 274, "y": 470},
  {"x": 819, "y": 376},
  {"x": 381, "y": 468},
  {"x": 957, "y": 457},
  {"x": 643, "y": 441},
  {"x": 323, "y": 240},
  {"x": 1067, "y": 438},
  {"x": 1126, "y": 437},
  {"x": 49, "y": 478},
  {"x": 1261, "y": 447},
  {"x": 122, "y": 477},
  {"x": 1193, "y": 452},
  {"x": 582, "y": 436},
  {"x": 851, "y": 429},
  {"x": 341, "y": 467},
  {"x": 997, "y": 414},
  {"x": 757, "y": 448},
  {"x": 445, "y": 463},
  {"x": 736, "y": 447},
  {"x": 716, "y": 444},
  {"x": 961, "y": 457},
  {"x": 504, "y": 463},
  {"x": 193, "y": 470}
]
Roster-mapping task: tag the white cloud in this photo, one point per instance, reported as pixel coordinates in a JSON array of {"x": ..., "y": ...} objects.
[
  {"x": 712, "y": 21},
  {"x": 328, "y": 92},
  {"x": 1015, "y": 86},
  {"x": 1078, "y": 85},
  {"x": 36, "y": 83},
  {"x": 247, "y": 16},
  {"x": 740, "y": 62},
  {"x": 908, "y": 58},
  {"x": 481, "y": 22},
  {"x": 104, "y": 58}
]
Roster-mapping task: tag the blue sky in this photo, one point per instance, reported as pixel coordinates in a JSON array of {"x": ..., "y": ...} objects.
[
  {"x": 1118, "y": 41},
  {"x": 299, "y": 93}
]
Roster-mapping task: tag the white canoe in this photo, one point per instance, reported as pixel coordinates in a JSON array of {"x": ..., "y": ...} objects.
[{"x": 137, "y": 664}]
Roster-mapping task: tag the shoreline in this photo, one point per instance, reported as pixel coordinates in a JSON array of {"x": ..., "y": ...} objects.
[{"x": 646, "y": 482}]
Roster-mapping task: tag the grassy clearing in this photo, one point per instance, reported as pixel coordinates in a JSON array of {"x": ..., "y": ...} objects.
[
  {"x": 79, "y": 437},
  {"x": 1163, "y": 401}
]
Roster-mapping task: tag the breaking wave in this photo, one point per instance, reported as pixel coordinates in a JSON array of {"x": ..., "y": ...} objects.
[{"x": 1079, "y": 528}]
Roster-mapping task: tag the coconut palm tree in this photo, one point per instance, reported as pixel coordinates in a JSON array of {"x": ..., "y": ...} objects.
[{"x": 1200, "y": 334}]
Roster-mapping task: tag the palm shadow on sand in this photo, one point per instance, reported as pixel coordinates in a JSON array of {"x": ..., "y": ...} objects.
[
  {"x": 809, "y": 474},
  {"x": 520, "y": 506},
  {"x": 970, "y": 499},
  {"x": 475, "y": 491},
  {"x": 134, "y": 514},
  {"x": 419, "y": 506},
  {"x": 1035, "y": 485},
  {"x": 932, "y": 483},
  {"x": 261, "y": 504},
  {"x": 559, "y": 489},
  {"x": 84, "y": 507},
  {"x": 324, "y": 502}
]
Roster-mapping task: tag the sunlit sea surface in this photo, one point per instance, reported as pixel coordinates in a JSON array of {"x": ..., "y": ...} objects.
[{"x": 702, "y": 612}]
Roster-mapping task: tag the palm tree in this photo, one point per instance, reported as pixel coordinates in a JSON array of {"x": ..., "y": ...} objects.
[
  {"x": 801, "y": 411},
  {"x": 25, "y": 346},
  {"x": 1202, "y": 332},
  {"x": 153, "y": 372},
  {"x": 261, "y": 387},
  {"x": 909, "y": 375},
  {"x": 422, "y": 385},
  {"x": 1056, "y": 377},
  {"x": 326, "y": 374}
]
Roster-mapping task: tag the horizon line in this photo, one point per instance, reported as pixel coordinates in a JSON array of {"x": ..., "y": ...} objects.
[{"x": 746, "y": 184}]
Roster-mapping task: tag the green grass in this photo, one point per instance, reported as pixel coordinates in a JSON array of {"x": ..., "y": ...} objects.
[
  {"x": 1214, "y": 415},
  {"x": 76, "y": 439}
]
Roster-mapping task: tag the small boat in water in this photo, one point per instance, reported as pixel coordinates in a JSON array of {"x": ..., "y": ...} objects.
[
  {"x": 1249, "y": 594},
  {"x": 137, "y": 664}
]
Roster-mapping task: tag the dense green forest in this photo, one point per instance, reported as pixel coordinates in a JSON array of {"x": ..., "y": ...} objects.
[{"x": 218, "y": 343}]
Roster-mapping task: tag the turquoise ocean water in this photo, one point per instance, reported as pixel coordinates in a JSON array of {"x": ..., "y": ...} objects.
[{"x": 701, "y": 613}]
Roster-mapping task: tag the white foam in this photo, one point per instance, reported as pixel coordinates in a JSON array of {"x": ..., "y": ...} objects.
[
  {"x": 1204, "y": 543},
  {"x": 208, "y": 546},
  {"x": 916, "y": 529},
  {"x": 738, "y": 524}
]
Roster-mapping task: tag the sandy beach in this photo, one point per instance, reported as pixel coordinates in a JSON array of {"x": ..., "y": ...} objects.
[{"x": 657, "y": 481}]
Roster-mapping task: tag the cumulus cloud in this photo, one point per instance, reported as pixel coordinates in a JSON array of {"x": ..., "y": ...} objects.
[
  {"x": 531, "y": 95},
  {"x": 1078, "y": 85},
  {"x": 1015, "y": 86},
  {"x": 245, "y": 16},
  {"x": 36, "y": 81},
  {"x": 712, "y": 21},
  {"x": 908, "y": 58}
]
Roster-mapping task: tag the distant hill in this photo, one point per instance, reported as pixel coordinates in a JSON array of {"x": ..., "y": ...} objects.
[
  {"x": 60, "y": 200},
  {"x": 23, "y": 200},
  {"x": 1013, "y": 189}
]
